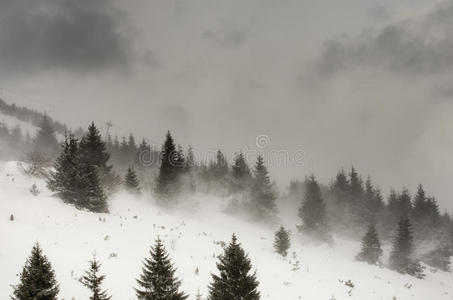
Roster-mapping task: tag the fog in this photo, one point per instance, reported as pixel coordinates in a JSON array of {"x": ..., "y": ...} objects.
[{"x": 350, "y": 83}]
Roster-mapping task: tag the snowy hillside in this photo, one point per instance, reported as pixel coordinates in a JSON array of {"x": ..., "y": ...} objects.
[
  {"x": 69, "y": 237},
  {"x": 12, "y": 122}
]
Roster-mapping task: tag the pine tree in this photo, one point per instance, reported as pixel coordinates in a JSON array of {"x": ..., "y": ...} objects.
[
  {"x": 75, "y": 181},
  {"x": 93, "y": 196},
  {"x": 131, "y": 181},
  {"x": 341, "y": 214},
  {"x": 65, "y": 180},
  {"x": 158, "y": 280},
  {"x": 282, "y": 241},
  {"x": 439, "y": 257},
  {"x": 219, "y": 168},
  {"x": 425, "y": 216},
  {"x": 37, "y": 279},
  {"x": 312, "y": 211},
  {"x": 371, "y": 247},
  {"x": 93, "y": 150},
  {"x": 402, "y": 250},
  {"x": 262, "y": 193},
  {"x": 241, "y": 174},
  {"x": 93, "y": 281},
  {"x": 167, "y": 180},
  {"x": 45, "y": 140},
  {"x": 235, "y": 281}
]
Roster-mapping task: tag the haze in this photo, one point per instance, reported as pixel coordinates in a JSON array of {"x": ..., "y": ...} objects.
[{"x": 354, "y": 82}]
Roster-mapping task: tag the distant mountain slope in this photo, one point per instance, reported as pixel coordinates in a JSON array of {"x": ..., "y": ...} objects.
[
  {"x": 30, "y": 116},
  {"x": 69, "y": 237}
]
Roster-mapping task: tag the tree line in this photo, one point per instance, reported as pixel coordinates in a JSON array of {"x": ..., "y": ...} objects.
[{"x": 83, "y": 175}]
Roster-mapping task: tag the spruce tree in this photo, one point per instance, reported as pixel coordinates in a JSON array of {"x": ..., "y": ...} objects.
[
  {"x": 167, "y": 181},
  {"x": 37, "y": 279},
  {"x": 93, "y": 150},
  {"x": 313, "y": 212},
  {"x": 425, "y": 216},
  {"x": 235, "y": 280},
  {"x": 93, "y": 281},
  {"x": 93, "y": 196},
  {"x": 158, "y": 280},
  {"x": 262, "y": 193},
  {"x": 341, "y": 216},
  {"x": 439, "y": 257},
  {"x": 131, "y": 181},
  {"x": 241, "y": 174},
  {"x": 45, "y": 140},
  {"x": 65, "y": 181},
  {"x": 282, "y": 241},
  {"x": 371, "y": 247},
  {"x": 401, "y": 259}
]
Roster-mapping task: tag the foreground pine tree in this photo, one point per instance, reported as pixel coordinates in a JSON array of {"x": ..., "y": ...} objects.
[
  {"x": 131, "y": 181},
  {"x": 371, "y": 247},
  {"x": 37, "y": 279},
  {"x": 158, "y": 280},
  {"x": 235, "y": 281},
  {"x": 93, "y": 281},
  {"x": 401, "y": 259},
  {"x": 282, "y": 241}
]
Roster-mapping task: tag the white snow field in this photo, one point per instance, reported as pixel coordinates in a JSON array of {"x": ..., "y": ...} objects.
[{"x": 69, "y": 237}]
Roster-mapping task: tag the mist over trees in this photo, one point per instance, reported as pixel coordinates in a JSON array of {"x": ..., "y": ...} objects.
[{"x": 89, "y": 168}]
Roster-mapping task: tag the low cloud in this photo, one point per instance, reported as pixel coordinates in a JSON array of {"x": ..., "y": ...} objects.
[
  {"x": 415, "y": 46},
  {"x": 80, "y": 35}
]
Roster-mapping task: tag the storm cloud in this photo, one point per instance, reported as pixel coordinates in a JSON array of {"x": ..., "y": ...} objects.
[
  {"x": 74, "y": 35},
  {"x": 413, "y": 46}
]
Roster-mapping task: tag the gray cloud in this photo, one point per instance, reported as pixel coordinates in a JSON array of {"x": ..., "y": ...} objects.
[
  {"x": 418, "y": 45},
  {"x": 226, "y": 37},
  {"x": 61, "y": 34}
]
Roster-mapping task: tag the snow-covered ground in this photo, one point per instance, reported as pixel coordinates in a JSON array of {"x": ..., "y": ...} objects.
[{"x": 69, "y": 237}]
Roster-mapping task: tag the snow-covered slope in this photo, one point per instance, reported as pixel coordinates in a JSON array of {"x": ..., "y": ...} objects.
[
  {"x": 12, "y": 122},
  {"x": 69, "y": 237}
]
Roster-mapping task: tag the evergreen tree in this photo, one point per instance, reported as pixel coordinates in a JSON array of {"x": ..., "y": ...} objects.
[
  {"x": 45, "y": 140},
  {"x": 190, "y": 160},
  {"x": 235, "y": 281},
  {"x": 65, "y": 181},
  {"x": 425, "y": 216},
  {"x": 402, "y": 251},
  {"x": 158, "y": 280},
  {"x": 75, "y": 181},
  {"x": 93, "y": 196},
  {"x": 131, "y": 181},
  {"x": 262, "y": 193},
  {"x": 37, "y": 279},
  {"x": 439, "y": 257},
  {"x": 312, "y": 211},
  {"x": 93, "y": 281},
  {"x": 241, "y": 173},
  {"x": 219, "y": 169},
  {"x": 340, "y": 212},
  {"x": 282, "y": 241},
  {"x": 371, "y": 247},
  {"x": 167, "y": 180},
  {"x": 93, "y": 150}
]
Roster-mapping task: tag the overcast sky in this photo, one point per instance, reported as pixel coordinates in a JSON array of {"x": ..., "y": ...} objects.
[{"x": 359, "y": 82}]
